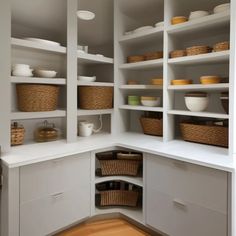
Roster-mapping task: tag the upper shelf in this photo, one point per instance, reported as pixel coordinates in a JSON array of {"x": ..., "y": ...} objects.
[
  {"x": 203, "y": 23},
  {"x": 142, "y": 65},
  {"x": 86, "y": 58},
  {"x": 34, "y": 80},
  {"x": 22, "y": 43},
  {"x": 144, "y": 36},
  {"x": 192, "y": 87},
  {"x": 214, "y": 57},
  {"x": 141, "y": 87},
  {"x": 98, "y": 84},
  {"x": 141, "y": 108}
]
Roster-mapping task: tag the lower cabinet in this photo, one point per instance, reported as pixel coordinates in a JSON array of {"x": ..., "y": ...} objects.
[
  {"x": 184, "y": 199},
  {"x": 60, "y": 196}
]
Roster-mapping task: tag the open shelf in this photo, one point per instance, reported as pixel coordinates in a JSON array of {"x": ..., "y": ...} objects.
[
  {"x": 141, "y": 108},
  {"x": 133, "y": 180},
  {"x": 35, "y": 80},
  {"x": 102, "y": 84},
  {"x": 142, "y": 65},
  {"x": 18, "y": 115},
  {"x": 193, "y": 87},
  {"x": 199, "y": 114},
  {"x": 143, "y": 37},
  {"x": 81, "y": 112},
  {"x": 86, "y": 58},
  {"x": 135, "y": 214},
  {"x": 214, "y": 57},
  {"x": 141, "y": 87},
  {"x": 203, "y": 23},
  {"x": 27, "y": 44}
]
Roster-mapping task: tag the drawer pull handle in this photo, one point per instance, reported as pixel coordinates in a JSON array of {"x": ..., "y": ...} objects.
[
  {"x": 180, "y": 165},
  {"x": 57, "y": 195},
  {"x": 180, "y": 203}
]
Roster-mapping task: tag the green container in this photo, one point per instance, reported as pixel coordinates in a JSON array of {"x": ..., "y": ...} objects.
[{"x": 133, "y": 100}]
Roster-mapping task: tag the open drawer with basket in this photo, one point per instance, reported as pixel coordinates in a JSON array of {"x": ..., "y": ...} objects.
[{"x": 119, "y": 163}]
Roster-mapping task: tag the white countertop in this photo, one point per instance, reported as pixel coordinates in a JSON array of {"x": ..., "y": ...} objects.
[{"x": 204, "y": 155}]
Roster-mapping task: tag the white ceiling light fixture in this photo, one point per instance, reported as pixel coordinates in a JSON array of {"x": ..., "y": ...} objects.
[{"x": 85, "y": 15}]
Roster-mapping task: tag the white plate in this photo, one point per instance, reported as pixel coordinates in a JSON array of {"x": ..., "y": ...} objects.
[
  {"x": 43, "y": 41},
  {"x": 87, "y": 78},
  {"x": 143, "y": 28},
  {"x": 159, "y": 24},
  {"x": 222, "y": 8}
]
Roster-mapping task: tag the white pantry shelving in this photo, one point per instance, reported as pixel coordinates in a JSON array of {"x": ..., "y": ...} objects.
[
  {"x": 141, "y": 87},
  {"x": 209, "y": 58},
  {"x": 85, "y": 58},
  {"x": 35, "y": 80},
  {"x": 30, "y": 45},
  {"x": 197, "y": 87},
  {"x": 82, "y": 112},
  {"x": 144, "y": 65},
  {"x": 99, "y": 84},
  {"x": 141, "y": 108}
]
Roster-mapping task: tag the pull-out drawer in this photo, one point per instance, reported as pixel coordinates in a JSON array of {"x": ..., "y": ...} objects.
[
  {"x": 176, "y": 217},
  {"x": 199, "y": 185},
  {"x": 46, "y": 178},
  {"x": 48, "y": 214}
]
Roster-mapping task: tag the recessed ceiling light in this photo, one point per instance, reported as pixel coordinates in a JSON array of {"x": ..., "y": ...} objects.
[{"x": 85, "y": 15}]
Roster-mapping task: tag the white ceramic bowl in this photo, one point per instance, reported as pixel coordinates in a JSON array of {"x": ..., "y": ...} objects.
[
  {"x": 198, "y": 14},
  {"x": 159, "y": 24},
  {"x": 23, "y": 73},
  {"x": 222, "y": 8},
  {"x": 151, "y": 103},
  {"x": 46, "y": 73},
  {"x": 87, "y": 78},
  {"x": 197, "y": 104},
  {"x": 20, "y": 67}
]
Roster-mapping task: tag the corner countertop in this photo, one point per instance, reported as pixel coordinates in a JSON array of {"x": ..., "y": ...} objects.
[{"x": 204, "y": 155}]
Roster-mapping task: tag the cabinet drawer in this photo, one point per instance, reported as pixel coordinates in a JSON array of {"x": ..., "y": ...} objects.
[
  {"x": 200, "y": 185},
  {"x": 49, "y": 214},
  {"x": 176, "y": 217},
  {"x": 47, "y": 178}
]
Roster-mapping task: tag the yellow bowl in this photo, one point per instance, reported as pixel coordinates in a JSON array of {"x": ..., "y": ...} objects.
[
  {"x": 157, "y": 81},
  {"x": 181, "y": 81},
  {"x": 178, "y": 20},
  {"x": 211, "y": 79}
]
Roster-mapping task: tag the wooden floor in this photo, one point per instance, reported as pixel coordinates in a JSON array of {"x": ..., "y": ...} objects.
[{"x": 114, "y": 227}]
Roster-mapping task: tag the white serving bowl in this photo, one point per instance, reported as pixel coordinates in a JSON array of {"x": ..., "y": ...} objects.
[
  {"x": 46, "y": 73},
  {"x": 197, "y": 104},
  {"x": 198, "y": 14},
  {"x": 154, "y": 102},
  {"x": 21, "y": 67},
  {"x": 87, "y": 78},
  {"x": 23, "y": 73},
  {"x": 222, "y": 8}
]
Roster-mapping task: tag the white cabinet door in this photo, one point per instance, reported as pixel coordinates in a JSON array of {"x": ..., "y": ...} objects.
[
  {"x": 181, "y": 198},
  {"x": 50, "y": 177},
  {"x": 61, "y": 198}
]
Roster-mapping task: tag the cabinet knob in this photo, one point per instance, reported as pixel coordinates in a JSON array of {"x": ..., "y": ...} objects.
[{"x": 179, "y": 203}]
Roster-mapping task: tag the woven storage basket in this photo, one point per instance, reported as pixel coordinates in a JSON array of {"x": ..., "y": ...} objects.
[
  {"x": 17, "y": 134},
  {"x": 153, "y": 55},
  {"x": 206, "y": 134},
  {"x": 178, "y": 53},
  {"x": 221, "y": 46},
  {"x": 132, "y": 59},
  {"x": 94, "y": 98},
  {"x": 35, "y": 98},
  {"x": 152, "y": 126},
  {"x": 119, "y": 167},
  {"x": 196, "y": 50},
  {"x": 119, "y": 198}
]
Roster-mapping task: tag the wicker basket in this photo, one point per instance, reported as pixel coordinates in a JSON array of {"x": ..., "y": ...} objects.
[
  {"x": 206, "y": 134},
  {"x": 133, "y": 59},
  {"x": 35, "y": 98},
  {"x": 17, "y": 134},
  {"x": 119, "y": 167},
  {"x": 178, "y": 53},
  {"x": 153, "y": 56},
  {"x": 223, "y": 46},
  {"x": 152, "y": 126},
  {"x": 94, "y": 98},
  {"x": 119, "y": 198},
  {"x": 196, "y": 50}
]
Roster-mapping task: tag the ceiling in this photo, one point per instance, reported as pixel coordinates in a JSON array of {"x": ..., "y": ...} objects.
[{"x": 50, "y": 16}]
